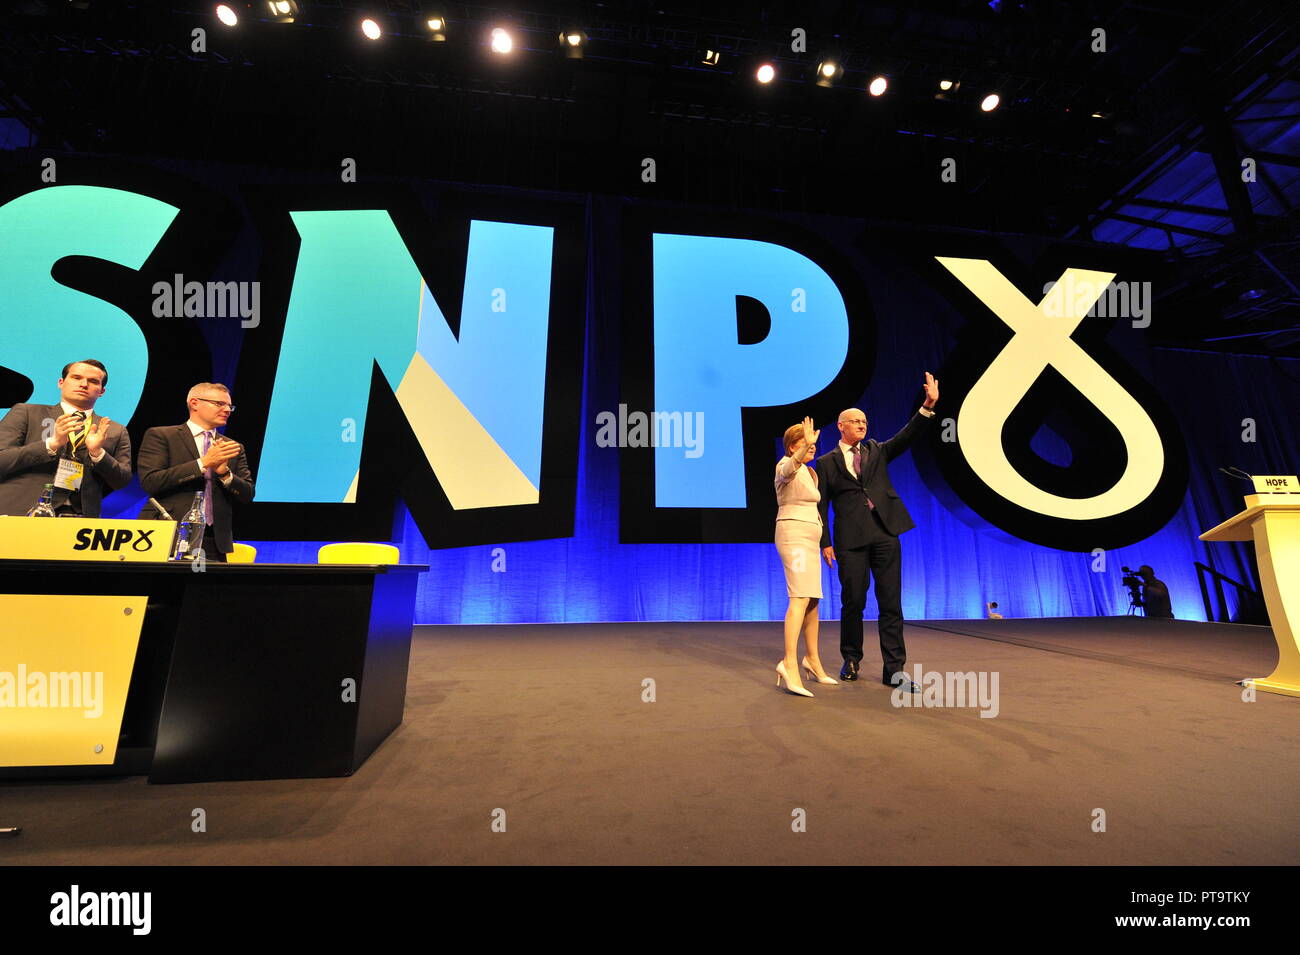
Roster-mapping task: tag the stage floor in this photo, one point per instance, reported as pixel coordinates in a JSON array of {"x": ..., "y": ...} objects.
[{"x": 1138, "y": 718}]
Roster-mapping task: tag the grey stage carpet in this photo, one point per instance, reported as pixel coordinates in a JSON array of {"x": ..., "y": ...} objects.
[{"x": 1138, "y": 718}]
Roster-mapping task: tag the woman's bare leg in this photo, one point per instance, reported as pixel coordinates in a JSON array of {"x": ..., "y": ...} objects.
[
  {"x": 794, "y": 621},
  {"x": 810, "y": 624}
]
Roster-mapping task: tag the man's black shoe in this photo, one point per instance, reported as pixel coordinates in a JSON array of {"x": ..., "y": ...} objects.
[
  {"x": 907, "y": 686},
  {"x": 849, "y": 672}
]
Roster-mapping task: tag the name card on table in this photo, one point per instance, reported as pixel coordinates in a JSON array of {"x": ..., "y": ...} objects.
[
  {"x": 1276, "y": 483},
  {"x": 85, "y": 538}
]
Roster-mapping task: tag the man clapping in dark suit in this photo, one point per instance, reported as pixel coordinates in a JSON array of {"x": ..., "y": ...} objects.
[
  {"x": 178, "y": 460},
  {"x": 869, "y": 517},
  {"x": 66, "y": 445}
]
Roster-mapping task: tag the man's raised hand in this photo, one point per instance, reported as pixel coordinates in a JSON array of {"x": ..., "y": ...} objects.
[
  {"x": 64, "y": 425},
  {"x": 931, "y": 390},
  {"x": 95, "y": 437}
]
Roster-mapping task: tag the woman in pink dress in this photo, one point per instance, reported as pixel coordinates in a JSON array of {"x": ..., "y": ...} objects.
[{"x": 798, "y": 541}]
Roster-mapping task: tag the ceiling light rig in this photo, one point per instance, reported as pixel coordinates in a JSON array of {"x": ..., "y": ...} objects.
[
  {"x": 436, "y": 25},
  {"x": 501, "y": 42},
  {"x": 282, "y": 11},
  {"x": 574, "y": 43},
  {"x": 573, "y": 40},
  {"x": 828, "y": 71}
]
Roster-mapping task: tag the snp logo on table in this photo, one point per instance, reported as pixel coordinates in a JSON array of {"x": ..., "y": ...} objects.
[
  {"x": 77, "y": 908},
  {"x": 88, "y": 539}
]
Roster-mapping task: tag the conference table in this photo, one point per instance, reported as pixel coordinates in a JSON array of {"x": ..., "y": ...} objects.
[{"x": 189, "y": 674}]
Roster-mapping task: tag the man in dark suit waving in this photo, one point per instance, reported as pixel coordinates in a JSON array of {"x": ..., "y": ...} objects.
[
  {"x": 178, "y": 460},
  {"x": 66, "y": 445},
  {"x": 869, "y": 517}
]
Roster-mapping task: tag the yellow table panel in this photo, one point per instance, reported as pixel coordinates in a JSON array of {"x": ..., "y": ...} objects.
[{"x": 65, "y": 667}]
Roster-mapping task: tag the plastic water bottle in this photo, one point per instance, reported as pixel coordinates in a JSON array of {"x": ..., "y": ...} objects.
[
  {"x": 189, "y": 538},
  {"x": 45, "y": 506}
]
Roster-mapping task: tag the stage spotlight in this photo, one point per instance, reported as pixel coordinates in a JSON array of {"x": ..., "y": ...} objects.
[
  {"x": 282, "y": 11},
  {"x": 878, "y": 86},
  {"x": 990, "y": 102},
  {"x": 436, "y": 24},
  {"x": 502, "y": 41},
  {"x": 227, "y": 15},
  {"x": 573, "y": 42},
  {"x": 370, "y": 29},
  {"x": 947, "y": 85},
  {"x": 828, "y": 71},
  {"x": 765, "y": 73},
  {"x": 711, "y": 58}
]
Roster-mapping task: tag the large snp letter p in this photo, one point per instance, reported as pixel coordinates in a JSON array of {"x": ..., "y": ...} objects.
[
  {"x": 702, "y": 369},
  {"x": 474, "y": 401}
]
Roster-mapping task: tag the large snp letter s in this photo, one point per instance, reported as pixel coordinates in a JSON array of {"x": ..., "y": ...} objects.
[
  {"x": 475, "y": 402},
  {"x": 44, "y": 324},
  {"x": 701, "y": 367}
]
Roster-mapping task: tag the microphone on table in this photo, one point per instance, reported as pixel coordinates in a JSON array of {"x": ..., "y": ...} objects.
[
  {"x": 1236, "y": 472},
  {"x": 161, "y": 510}
]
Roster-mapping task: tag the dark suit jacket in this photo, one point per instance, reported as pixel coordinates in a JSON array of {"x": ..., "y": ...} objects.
[
  {"x": 849, "y": 495},
  {"x": 169, "y": 471},
  {"x": 26, "y": 466}
]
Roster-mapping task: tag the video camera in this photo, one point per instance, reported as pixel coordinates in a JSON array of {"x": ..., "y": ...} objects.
[{"x": 1134, "y": 584}]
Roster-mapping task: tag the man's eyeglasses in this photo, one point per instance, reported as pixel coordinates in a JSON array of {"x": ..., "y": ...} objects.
[{"x": 220, "y": 404}]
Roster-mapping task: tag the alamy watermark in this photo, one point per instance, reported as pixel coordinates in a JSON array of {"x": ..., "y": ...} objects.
[
  {"x": 78, "y": 690},
  {"x": 1130, "y": 300},
  {"x": 655, "y": 429},
  {"x": 76, "y": 907},
  {"x": 949, "y": 689},
  {"x": 181, "y": 299}
]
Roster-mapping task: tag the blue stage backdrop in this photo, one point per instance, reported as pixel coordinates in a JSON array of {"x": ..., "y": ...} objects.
[{"x": 642, "y": 299}]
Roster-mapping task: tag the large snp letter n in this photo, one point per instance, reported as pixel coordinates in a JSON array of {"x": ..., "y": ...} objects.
[{"x": 475, "y": 402}]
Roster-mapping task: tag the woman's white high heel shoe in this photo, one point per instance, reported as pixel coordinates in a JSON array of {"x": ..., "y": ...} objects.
[
  {"x": 813, "y": 676},
  {"x": 781, "y": 675}
]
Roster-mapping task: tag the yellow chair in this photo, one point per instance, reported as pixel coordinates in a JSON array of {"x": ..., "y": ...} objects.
[
  {"x": 358, "y": 554},
  {"x": 242, "y": 554}
]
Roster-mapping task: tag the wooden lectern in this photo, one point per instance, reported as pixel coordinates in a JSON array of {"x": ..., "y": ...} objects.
[{"x": 1272, "y": 520}]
